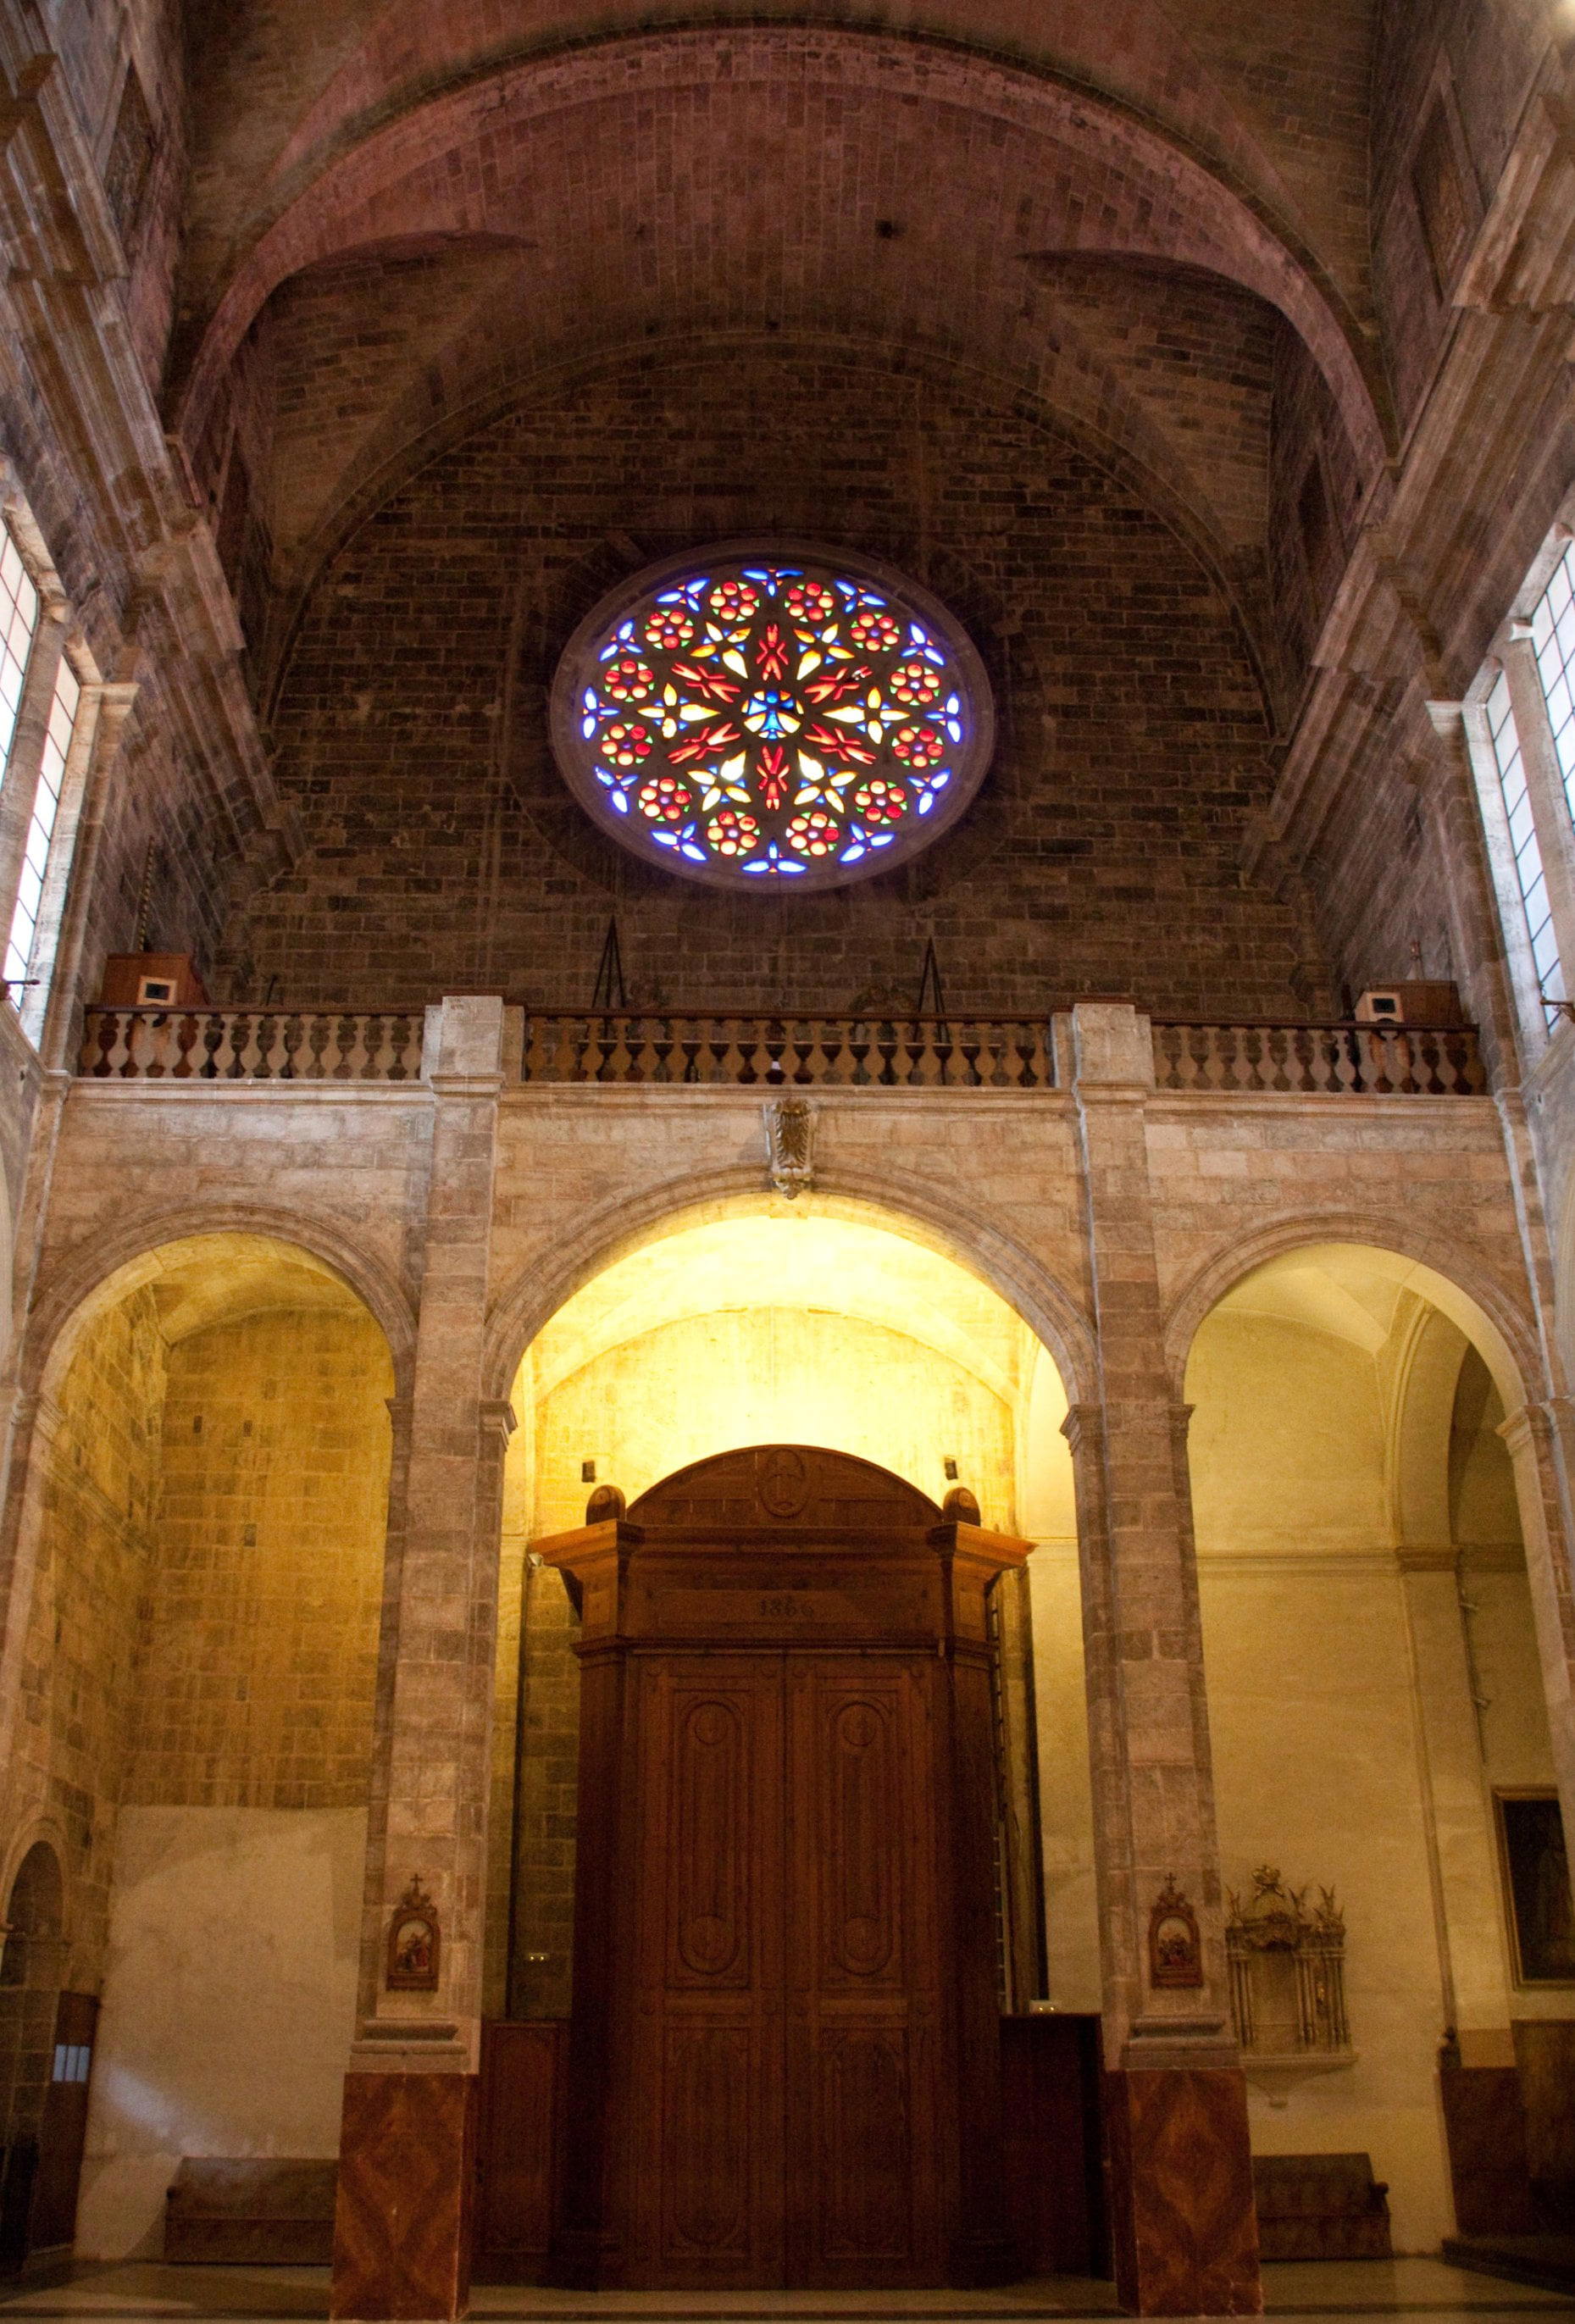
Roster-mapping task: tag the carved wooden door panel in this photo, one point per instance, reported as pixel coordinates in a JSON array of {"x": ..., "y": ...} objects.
[
  {"x": 705, "y": 2118},
  {"x": 864, "y": 2016}
]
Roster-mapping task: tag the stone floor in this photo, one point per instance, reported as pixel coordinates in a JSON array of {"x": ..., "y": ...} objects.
[{"x": 132, "y": 2289}]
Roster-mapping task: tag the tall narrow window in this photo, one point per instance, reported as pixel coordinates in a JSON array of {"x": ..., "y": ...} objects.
[
  {"x": 46, "y": 806},
  {"x": 18, "y": 619},
  {"x": 1553, "y": 640},
  {"x": 1523, "y": 838}
]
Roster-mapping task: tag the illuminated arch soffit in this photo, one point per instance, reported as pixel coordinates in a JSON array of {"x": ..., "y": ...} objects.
[{"x": 753, "y": 718}]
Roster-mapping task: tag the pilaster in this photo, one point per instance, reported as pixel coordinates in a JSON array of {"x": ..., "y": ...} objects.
[
  {"x": 1185, "y": 2233},
  {"x": 1541, "y": 1438},
  {"x": 403, "y": 2225},
  {"x": 1483, "y": 2109}
]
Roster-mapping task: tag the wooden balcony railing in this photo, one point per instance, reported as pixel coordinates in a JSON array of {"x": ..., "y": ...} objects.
[
  {"x": 1003, "y": 1053},
  {"x": 1322, "y": 1060},
  {"x": 252, "y": 1045}
]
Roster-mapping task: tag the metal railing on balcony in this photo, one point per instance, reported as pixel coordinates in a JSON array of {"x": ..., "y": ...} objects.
[
  {"x": 252, "y": 1045},
  {"x": 1001, "y": 1053},
  {"x": 1319, "y": 1060}
]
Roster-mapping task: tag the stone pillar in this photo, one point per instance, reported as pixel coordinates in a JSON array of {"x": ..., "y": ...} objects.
[
  {"x": 401, "y": 2239},
  {"x": 1484, "y": 2115},
  {"x": 1185, "y": 2229},
  {"x": 1541, "y": 1438}
]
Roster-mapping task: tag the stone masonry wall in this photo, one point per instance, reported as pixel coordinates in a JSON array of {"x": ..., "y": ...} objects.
[
  {"x": 80, "y": 1691},
  {"x": 444, "y": 853},
  {"x": 257, "y": 1674},
  {"x": 1467, "y": 64}
]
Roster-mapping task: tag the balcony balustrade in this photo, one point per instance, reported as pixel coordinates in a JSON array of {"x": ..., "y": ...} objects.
[
  {"x": 1319, "y": 1060},
  {"x": 1003, "y": 1053},
  {"x": 147, "y": 1043},
  {"x": 666, "y": 1048}
]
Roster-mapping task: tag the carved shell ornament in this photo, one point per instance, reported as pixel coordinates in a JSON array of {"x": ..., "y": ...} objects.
[{"x": 768, "y": 718}]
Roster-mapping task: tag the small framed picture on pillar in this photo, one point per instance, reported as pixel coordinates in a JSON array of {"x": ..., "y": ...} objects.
[
  {"x": 414, "y": 1943},
  {"x": 1175, "y": 1956}
]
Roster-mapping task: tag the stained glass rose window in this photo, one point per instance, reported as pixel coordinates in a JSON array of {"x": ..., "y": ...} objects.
[{"x": 758, "y": 720}]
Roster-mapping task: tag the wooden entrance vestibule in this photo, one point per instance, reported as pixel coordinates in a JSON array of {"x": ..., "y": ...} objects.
[{"x": 783, "y": 2061}]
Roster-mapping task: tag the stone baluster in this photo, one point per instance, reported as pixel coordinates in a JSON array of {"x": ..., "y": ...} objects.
[
  {"x": 1185, "y": 2233},
  {"x": 406, "y": 2174}
]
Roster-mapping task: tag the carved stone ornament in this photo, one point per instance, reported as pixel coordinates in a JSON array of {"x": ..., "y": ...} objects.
[
  {"x": 414, "y": 1943},
  {"x": 1287, "y": 1969},
  {"x": 789, "y": 1129},
  {"x": 1175, "y": 1954}
]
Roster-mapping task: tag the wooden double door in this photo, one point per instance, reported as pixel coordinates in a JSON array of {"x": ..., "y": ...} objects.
[{"x": 783, "y": 2064}]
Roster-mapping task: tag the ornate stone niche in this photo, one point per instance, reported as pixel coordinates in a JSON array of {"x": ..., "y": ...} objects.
[{"x": 1288, "y": 1982}]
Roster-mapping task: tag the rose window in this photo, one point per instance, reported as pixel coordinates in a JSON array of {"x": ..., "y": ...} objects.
[{"x": 755, "y": 721}]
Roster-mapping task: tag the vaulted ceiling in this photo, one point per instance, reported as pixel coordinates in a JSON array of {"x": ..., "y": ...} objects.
[{"x": 1117, "y": 213}]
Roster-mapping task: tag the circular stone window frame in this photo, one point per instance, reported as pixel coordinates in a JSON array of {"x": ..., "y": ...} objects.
[{"x": 581, "y": 658}]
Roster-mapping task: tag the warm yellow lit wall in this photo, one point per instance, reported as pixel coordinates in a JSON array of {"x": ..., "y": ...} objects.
[
  {"x": 1515, "y": 1721},
  {"x": 798, "y": 1324},
  {"x": 1312, "y": 1711},
  {"x": 762, "y": 1375},
  {"x": 1321, "y": 1430},
  {"x": 213, "y": 1512},
  {"x": 256, "y": 1674},
  {"x": 98, "y": 1510},
  {"x": 1286, "y": 1438},
  {"x": 1313, "y": 1715}
]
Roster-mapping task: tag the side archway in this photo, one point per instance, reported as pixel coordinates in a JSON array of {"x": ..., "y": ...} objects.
[
  {"x": 1473, "y": 1297},
  {"x": 200, "y": 1560},
  {"x": 1386, "y": 1663}
]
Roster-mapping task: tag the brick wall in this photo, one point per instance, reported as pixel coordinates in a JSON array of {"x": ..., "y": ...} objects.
[
  {"x": 257, "y": 1669},
  {"x": 444, "y": 851},
  {"x": 1316, "y": 495}
]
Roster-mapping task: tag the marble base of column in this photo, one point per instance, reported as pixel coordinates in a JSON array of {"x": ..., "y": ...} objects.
[
  {"x": 406, "y": 2183},
  {"x": 1183, "y": 2222}
]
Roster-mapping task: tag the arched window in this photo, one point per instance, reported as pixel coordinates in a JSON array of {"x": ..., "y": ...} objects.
[{"x": 755, "y": 719}]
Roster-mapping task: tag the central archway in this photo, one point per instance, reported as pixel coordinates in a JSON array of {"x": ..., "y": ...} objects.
[{"x": 852, "y": 1332}]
